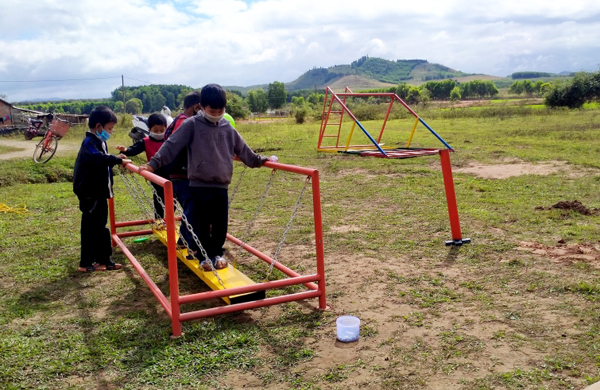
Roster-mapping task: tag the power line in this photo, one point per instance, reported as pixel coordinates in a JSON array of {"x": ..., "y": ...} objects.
[
  {"x": 40, "y": 81},
  {"x": 129, "y": 78}
]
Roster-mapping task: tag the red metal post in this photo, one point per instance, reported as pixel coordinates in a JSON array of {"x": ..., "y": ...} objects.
[
  {"x": 319, "y": 238},
  {"x": 113, "y": 227},
  {"x": 386, "y": 119},
  {"x": 172, "y": 259},
  {"x": 323, "y": 121},
  {"x": 451, "y": 199}
]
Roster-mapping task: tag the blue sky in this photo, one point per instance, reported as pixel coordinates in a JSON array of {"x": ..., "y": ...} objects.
[{"x": 244, "y": 43}]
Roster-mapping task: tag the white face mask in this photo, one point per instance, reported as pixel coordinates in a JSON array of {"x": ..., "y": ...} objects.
[
  {"x": 214, "y": 119},
  {"x": 157, "y": 136}
]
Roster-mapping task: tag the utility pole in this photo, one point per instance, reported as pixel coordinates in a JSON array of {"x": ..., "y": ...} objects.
[{"x": 123, "y": 88}]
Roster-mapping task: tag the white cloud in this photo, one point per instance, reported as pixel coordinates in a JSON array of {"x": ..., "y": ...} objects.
[{"x": 233, "y": 42}]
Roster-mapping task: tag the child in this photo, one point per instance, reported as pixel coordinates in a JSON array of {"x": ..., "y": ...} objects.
[
  {"x": 157, "y": 124},
  {"x": 92, "y": 183},
  {"x": 178, "y": 168},
  {"x": 211, "y": 143}
]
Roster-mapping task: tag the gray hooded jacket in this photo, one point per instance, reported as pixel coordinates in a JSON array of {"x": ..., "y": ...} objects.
[{"x": 211, "y": 148}]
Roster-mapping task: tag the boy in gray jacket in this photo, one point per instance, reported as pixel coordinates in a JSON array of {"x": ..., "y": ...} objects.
[{"x": 211, "y": 143}]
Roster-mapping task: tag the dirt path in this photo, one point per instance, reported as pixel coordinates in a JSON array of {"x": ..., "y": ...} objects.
[{"x": 28, "y": 147}]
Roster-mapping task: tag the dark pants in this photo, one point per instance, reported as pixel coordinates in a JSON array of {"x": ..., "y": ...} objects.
[
  {"x": 181, "y": 188},
  {"x": 209, "y": 210},
  {"x": 159, "y": 211},
  {"x": 95, "y": 236}
]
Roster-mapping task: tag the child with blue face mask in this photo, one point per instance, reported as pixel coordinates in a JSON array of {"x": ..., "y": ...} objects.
[{"x": 92, "y": 183}]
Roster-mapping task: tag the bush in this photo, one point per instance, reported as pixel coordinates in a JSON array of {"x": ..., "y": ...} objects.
[{"x": 300, "y": 113}]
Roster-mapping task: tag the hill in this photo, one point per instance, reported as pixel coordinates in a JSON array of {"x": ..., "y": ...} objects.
[{"x": 368, "y": 72}]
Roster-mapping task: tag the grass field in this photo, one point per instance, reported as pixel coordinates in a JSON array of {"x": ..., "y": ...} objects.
[{"x": 516, "y": 309}]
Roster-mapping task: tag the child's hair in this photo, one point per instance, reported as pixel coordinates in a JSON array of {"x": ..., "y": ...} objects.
[
  {"x": 191, "y": 99},
  {"x": 102, "y": 115},
  {"x": 213, "y": 95},
  {"x": 156, "y": 119}
]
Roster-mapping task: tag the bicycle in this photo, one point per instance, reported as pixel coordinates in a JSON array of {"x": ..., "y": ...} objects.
[{"x": 46, "y": 148}]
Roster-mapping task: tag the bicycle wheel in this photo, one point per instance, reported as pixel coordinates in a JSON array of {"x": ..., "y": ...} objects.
[{"x": 45, "y": 149}]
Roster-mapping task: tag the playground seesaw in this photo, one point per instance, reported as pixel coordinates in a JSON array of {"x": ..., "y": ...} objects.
[
  {"x": 331, "y": 141},
  {"x": 236, "y": 289}
]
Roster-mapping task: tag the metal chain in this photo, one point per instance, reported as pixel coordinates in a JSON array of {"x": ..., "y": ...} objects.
[
  {"x": 159, "y": 223},
  {"x": 183, "y": 218},
  {"x": 287, "y": 228},
  {"x": 235, "y": 190},
  {"x": 141, "y": 200},
  {"x": 260, "y": 204},
  {"x": 197, "y": 241}
]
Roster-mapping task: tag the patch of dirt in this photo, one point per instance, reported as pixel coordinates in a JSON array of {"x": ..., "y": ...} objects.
[
  {"x": 564, "y": 253},
  {"x": 504, "y": 171},
  {"x": 574, "y": 205},
  {"x": 27, "y": 148}
]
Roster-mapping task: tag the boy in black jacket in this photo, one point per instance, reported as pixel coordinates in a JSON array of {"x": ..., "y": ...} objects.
[{"x": 92, "y": 183}]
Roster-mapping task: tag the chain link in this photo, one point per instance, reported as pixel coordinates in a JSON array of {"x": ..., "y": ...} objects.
[
  {"x": 140, "y": 201},
  {"x": 260, "y": 204},
  {"x": 161, "y": 225},
  {"x": 237, "y": 186},
  {"x": 287, "y": 227},
  {"x": 197, "y": 241}
]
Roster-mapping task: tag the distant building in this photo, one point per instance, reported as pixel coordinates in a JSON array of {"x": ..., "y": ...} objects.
[{"x": 9, "y": 116}]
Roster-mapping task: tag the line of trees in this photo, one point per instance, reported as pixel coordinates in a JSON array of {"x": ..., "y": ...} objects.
[
  {"x": 584, "y": 87},
  {"x": 529, "y": 88}
]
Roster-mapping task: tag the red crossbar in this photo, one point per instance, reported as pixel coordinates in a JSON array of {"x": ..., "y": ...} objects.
[{"x": 400, "y": 153}]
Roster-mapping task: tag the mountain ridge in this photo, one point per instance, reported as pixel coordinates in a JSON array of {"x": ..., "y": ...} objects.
[{"x": 370, "y": 72}]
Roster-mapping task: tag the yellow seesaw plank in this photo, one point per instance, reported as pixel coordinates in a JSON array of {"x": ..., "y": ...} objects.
[{"x": 230, "y": 276}]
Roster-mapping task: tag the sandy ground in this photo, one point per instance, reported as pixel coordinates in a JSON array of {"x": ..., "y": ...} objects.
[{"x": 27, "y": 147}]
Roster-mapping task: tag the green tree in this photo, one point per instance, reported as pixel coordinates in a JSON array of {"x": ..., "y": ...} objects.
[
  {"x": 235, "y": 106},
  {"x": 402, "y": 91},
  {"x": 516, "y": 88},
  {"x": 276, "y": 95},
  {"x": 134, "y": 106},
  {"x": 262, "y": 103},
  {"x": 455, "y": 94},
  {"x": 119, "y": 106}
]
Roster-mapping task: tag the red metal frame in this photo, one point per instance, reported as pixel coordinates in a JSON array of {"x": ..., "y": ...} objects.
[
  {"x": 348, "y": 93},
  {"x": 314, "y": 282}
]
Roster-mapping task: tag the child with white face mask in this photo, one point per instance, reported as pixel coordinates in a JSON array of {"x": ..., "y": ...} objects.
[{"x": 157, "y": 124}]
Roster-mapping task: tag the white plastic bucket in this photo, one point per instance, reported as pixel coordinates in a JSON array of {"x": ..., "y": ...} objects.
[{"x": 348, "y": 328}]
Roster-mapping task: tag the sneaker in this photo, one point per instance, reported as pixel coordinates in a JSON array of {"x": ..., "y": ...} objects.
[
  {"x": 219, "y": 262},
  {"x": 110, "y": 265},
  {"x": 206, "y": 265}
]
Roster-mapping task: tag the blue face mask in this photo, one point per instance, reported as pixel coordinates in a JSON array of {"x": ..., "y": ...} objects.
[{"x": 103, "y": 135}]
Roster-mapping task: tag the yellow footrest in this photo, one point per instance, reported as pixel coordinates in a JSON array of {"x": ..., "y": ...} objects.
[{"x": 230, "y": 276}]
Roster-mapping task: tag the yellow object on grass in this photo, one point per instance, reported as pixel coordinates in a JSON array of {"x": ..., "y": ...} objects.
[{"x": 18, "y": 209}]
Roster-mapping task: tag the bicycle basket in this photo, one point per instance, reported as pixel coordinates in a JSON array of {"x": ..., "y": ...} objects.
[{"x": 59, "y": 127}]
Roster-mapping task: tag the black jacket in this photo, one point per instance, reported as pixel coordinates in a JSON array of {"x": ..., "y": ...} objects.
[{"x": 93, "y": 177}]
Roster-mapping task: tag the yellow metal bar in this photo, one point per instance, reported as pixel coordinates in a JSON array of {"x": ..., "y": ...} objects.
[
  {"x": 412, "y": 133},
  {"x": 230, "y": 276},
  {"x": 350, "y": 136},
  {"x": 333, "y": 150}
]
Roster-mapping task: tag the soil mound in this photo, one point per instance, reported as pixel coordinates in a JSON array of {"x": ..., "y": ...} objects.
[{"x": 574, "y": 205}]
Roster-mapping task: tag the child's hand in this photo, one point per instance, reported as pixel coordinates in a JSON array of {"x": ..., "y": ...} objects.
[
  {"x": 273, "y": 159},
  {"x": 125, "y": 161},
  {"x": 121, "y": 148},
  {"x": 145, "y": 167},
  {"x": 122, "y": 156}
]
